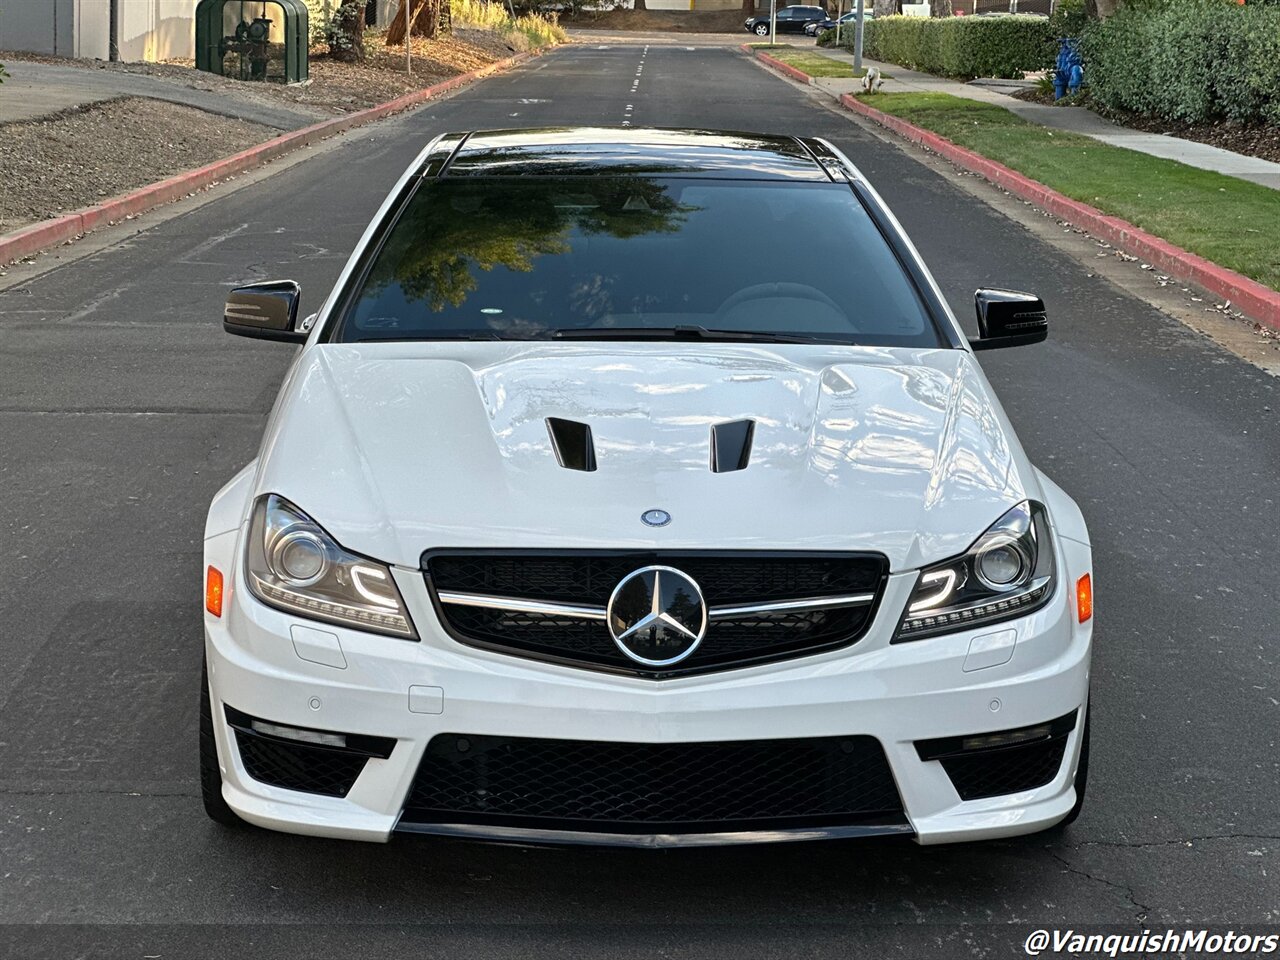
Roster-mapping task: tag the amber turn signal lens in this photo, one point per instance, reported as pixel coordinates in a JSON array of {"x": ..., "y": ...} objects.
[
  {"x": 1084, "y": 598},
  {"x": 213, "y": 591}
]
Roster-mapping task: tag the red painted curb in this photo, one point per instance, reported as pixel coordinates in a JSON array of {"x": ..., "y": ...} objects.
[
  {"x": 793, "y": 72},
  {"x": 63, "y": 229},
  {"x": 40, "y": 236},
  {"x": 1255, "y": 299}
]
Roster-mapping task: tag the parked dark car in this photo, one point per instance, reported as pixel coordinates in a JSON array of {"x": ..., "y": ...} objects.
[
  {"x": 790, "y": 20},
  {"x": 816, "y": 27}
]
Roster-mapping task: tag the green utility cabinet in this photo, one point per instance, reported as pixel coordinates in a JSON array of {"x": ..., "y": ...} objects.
[{"x": 253, "y": 39}]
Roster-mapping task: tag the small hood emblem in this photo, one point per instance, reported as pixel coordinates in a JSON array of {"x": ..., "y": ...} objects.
[{"x": 655, "y": 518}]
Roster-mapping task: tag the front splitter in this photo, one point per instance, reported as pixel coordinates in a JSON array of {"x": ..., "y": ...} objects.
[{"x": 653, "y": 841}]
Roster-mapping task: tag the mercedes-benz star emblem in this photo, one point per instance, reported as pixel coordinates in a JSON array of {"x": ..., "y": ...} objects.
[
  {"x": 656, "y": 616},
  {"x": 655, "y": 518}
]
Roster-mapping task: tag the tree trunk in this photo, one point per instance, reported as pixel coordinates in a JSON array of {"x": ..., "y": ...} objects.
[
  {"x": 1103, "y": 8},
  {"x": 425, "y": 16},
  {"x": 426, "y": 22},
  {"x": 346, "y": 33},
  {"x": 639, "y": 5},
  {"x": 749, "y": 7}
]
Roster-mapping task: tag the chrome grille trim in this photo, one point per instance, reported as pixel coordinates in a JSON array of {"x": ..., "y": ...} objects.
[
  {"x": 517, "y": 605},
  {"x": 585, "y": 612},
  {"x": 793, "y": 606}
]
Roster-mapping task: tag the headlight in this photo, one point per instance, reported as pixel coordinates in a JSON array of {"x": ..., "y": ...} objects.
[
  {"x": 1008, "y": 572},
  {"x": 293, "y": 565}
]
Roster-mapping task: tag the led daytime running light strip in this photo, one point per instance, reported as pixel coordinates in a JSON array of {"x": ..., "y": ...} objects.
[
  {"x": 389, "y": 621},
  {"x": 917, "y": 624}
]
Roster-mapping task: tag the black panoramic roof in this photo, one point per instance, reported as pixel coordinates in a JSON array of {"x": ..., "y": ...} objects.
[{"x": 579, "y": 151}]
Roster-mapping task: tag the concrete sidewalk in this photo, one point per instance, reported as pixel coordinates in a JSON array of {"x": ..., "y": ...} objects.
[
  {"x": 1073, "y": 119},
  {"x": 39, "y": 89}
]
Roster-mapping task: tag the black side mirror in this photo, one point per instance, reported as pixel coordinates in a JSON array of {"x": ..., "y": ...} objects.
[
  {"x": 265, "y": 311},
  {"x": 1007, "y": 318}
]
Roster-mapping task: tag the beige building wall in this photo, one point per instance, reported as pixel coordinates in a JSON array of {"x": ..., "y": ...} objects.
[
  {"x": 92, "y": 29},
  {"x": 693, "y": 4},
  {"x": 40, "y": 26},
  {"x": 148, "y": 29},
  {"x": 155, "y": 29}
]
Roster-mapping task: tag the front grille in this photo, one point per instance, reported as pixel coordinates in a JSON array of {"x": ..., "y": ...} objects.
[
  {"x": 589, "y": 578},
  {"x": 298, "y": 766},
  {"x": 724, "y": 578},
  {"x": 991, "y": 773},
  {"x": 604, "y": 786}
]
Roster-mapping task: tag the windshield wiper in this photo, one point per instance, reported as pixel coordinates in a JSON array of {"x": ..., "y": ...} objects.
[
  {"x": 685, "y": 331},
  {"x": 466, "y": 335}
]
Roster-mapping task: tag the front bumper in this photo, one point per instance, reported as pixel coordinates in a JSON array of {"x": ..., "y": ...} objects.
[{"x": 410, "y": 692}]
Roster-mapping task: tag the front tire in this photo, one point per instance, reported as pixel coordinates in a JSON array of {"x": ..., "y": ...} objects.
[
  {"x": 210, "y": 773},
  {"x": 762, "y": 29}
]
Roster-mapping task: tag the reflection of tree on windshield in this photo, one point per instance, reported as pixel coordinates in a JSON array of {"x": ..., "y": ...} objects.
[{"x": 454, "y": 228}]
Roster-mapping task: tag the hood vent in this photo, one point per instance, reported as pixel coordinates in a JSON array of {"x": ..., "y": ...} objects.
[
  {"x": 731, "y": 445},
  {"x": 575, "y": 450}
]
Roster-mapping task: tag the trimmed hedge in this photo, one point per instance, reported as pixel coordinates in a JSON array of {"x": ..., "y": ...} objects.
[
  {"x": 965, "y": 47},
  {"x": 1197, "y": 61}
]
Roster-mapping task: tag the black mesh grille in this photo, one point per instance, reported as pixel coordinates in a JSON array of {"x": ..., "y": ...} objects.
[
  {"x": 297, "y": 766},
  {"x": 990, "y": 773},
  {"x": 647, "y": 788},
  {"x": 579, "y": 639},
  {"x": 725, "y": 580},
  {"x": 590, "y": 578}
]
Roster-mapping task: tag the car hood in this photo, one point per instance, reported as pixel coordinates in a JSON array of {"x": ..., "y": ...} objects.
[{"x": 397, "y": 448}]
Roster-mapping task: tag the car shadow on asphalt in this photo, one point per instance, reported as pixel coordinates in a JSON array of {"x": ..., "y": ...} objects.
[{"x": 885, "y": 880}]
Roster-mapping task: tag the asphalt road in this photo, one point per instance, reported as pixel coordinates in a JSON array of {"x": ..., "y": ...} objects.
[{"x": 123, "y": 408}]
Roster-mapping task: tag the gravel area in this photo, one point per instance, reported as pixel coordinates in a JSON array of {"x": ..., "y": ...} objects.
[
  {"x": 81, "y": 157},
  {"x": 78, "y": 157},
  {"x": 334, "y": 88}
]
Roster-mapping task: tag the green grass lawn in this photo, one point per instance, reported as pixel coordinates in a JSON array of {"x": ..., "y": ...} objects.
[
  {"x": 1229, "y": 221},
  {"x": 814, "y": 64}
]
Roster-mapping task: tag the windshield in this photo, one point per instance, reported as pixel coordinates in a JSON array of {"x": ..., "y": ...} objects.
[{"x": 602, "y": 257}]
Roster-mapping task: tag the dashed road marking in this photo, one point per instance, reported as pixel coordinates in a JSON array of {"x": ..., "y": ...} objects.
[{"x": 635, "y": 86}]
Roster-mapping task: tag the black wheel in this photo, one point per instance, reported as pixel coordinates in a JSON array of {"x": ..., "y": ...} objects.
[
  {"x": 762, "y": 29},
  {"x": 1082, "y": 775},
  {"x": 210, "y": 775}
]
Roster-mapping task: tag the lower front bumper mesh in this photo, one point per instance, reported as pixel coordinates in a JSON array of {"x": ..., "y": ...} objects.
[{"x": 544, "y": 789}]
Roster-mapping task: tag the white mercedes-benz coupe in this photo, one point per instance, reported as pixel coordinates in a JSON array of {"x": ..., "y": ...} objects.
[{"x": 599, "y": 507}]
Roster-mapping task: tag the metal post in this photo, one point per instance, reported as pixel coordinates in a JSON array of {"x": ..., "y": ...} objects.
[
  {"x": 113, "y": 31},
  {"x": 839, "y": 14},
  {"x": 857, "y": 39},
  {"x": 408, "y": 29},
  {"x": 773, "y": 22}
]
